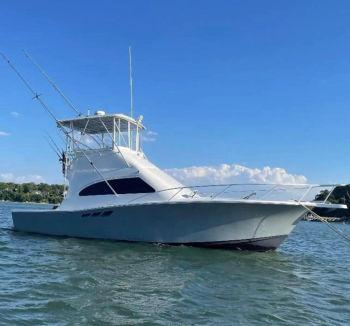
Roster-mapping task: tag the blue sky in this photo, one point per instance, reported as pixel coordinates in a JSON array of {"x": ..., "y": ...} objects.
[{"x": 256, "y": 83}]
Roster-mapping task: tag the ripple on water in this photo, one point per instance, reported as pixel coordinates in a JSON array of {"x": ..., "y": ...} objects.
[{"x": 64, "y": 281}]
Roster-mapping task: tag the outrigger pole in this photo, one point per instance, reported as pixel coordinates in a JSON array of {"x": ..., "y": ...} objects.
[
  {"x": 49, "y": 111},
  {"x": 52, "y": 83},
  {"x": 131, "y": 85},
  {"x": 65, "y": 98},
  {"x": 36, "y": 96}
]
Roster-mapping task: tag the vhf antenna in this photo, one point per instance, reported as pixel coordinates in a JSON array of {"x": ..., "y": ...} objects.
[
  {"x": 52, "y": 83},
  {"x": 131, "y": 85}
]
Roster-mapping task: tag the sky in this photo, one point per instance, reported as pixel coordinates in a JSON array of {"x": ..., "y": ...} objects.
[{"x": 224, "y": 86}]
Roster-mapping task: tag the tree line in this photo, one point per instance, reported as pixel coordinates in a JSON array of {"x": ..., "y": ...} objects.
[
  {"x": 31, "y": 192},
  {"x": 340, "y": 195}
]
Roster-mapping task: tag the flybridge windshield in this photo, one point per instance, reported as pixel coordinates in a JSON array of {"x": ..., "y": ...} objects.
[{"x": 103, "y": 131}]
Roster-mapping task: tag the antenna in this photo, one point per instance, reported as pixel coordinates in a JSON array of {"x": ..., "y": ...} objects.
[
  {"x": 131, "y": 84},
  {"x": 52, "y": 83}
]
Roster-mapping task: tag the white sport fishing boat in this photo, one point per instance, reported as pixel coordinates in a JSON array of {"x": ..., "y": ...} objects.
[{"x": 114, "y": 192}]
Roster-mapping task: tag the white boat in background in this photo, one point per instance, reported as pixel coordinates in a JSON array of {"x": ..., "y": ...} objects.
[{"x": 115, "y": 192}]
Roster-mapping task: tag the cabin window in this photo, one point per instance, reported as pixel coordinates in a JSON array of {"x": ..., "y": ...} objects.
[{"x": 120, "y": 186}]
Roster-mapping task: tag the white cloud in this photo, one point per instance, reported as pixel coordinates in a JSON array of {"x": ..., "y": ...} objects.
[
  {"x": 6, "y": 177},
  {"x": 15, "y": 114},
  {"x": 4, "y": 133},
  {"x": 10, "y": 177},
  {"x": 234, "y": 173},
  {"x": 149, "y": 136}
]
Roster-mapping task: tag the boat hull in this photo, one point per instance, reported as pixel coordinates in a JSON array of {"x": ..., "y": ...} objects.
[{"x": 227, "y": 225}]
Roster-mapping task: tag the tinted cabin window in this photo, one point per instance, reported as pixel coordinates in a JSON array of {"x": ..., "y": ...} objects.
[{"x": 120, "y": 186}]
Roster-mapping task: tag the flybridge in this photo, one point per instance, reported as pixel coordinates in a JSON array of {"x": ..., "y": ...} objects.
[
  {"x": 105, "y": 130},
  {"x": 121, "y": 129},
  {"x": 98, "y": 132},
  {"x": 102, "y": 123}
]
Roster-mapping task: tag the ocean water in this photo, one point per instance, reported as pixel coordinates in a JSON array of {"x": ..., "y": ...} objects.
[{"x": 65, "y": 281}]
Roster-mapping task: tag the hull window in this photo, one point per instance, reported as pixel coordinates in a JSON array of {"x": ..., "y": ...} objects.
[{"x": 120, "y": 186}]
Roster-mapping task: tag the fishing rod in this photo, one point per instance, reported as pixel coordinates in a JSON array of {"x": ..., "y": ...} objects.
[
  {"x": 53, "y": 148},
  {"x": 60, "y": 153},
  {"x": 54, "y": 143},
  {"x": 52, "y": 83},
  {"x": 62, "y": 158}
]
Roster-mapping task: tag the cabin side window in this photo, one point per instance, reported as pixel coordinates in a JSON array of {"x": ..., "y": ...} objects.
[{"x": 120, "y": 186}]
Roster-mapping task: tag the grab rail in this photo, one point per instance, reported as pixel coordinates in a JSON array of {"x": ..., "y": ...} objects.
[{"x": 260, "y": 191}]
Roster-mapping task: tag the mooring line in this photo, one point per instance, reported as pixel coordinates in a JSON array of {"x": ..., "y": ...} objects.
[{"x": 332, "y": 227}]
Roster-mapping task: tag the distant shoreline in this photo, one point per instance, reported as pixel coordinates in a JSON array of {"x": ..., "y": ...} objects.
[
  {"x": 41, "y": 193},
  {"x": 25, "y": 202}
]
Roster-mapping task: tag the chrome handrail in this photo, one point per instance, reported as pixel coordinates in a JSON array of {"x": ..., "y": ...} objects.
[{"x": 274, "y": 187}]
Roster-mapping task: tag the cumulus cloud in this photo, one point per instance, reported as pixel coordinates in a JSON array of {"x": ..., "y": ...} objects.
[
  {"x": 10, "y": 177},
  {"x": 4, "y": 133},
  {"x": 149, "y": 136},
  {"x": 15, "y": 114},
  {"x": 234, "y": 173}
]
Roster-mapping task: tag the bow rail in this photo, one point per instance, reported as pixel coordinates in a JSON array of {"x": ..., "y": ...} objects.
[{"x": 300, "y": 193}]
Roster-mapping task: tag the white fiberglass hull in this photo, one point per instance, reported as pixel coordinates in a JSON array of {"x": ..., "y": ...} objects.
[{"x": 218, "y": 224}]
